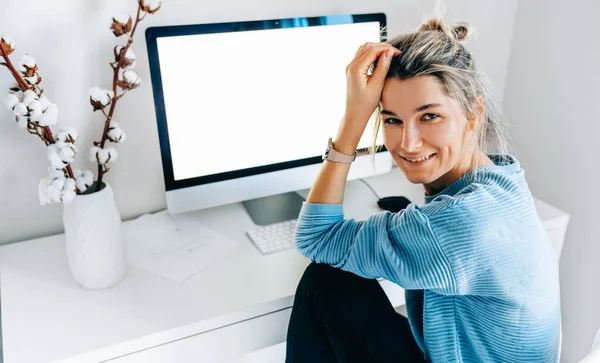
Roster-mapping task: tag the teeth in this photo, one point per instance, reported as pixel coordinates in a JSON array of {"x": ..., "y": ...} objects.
[{"x": 420, "y": 159}]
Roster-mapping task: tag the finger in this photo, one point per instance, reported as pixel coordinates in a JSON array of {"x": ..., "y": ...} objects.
[
  {"x": 363, "y": 64},
  {"x": 383, "y": 67},
  {"x": 367, "y": 46},
  {"x": 363, "y": 50}
]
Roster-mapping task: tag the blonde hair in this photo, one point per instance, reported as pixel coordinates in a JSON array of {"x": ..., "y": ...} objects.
[{"x": 436, "y": 50}]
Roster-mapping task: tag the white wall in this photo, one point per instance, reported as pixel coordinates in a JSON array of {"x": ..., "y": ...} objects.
[
  {"x": 73, "y": 45},
  {"x": 551, "y": 96}
]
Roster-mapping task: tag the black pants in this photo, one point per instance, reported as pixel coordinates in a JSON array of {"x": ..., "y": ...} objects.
[{"x": 341, "y": 317}]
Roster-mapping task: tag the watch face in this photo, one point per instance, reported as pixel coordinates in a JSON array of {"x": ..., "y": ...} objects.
[{"x": 329, "y": 147}]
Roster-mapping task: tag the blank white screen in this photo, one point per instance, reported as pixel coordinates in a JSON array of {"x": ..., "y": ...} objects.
[{"x": 252, "y": 98}]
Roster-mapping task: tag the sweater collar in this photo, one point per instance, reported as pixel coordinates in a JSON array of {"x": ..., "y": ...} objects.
[{"x": 503, "y": 163}]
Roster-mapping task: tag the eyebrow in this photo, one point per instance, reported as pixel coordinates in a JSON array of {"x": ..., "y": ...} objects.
[{"x": 419, "y": 109}]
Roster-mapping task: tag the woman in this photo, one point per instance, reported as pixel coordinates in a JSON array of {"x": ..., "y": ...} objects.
[{"x": 480, "y": 276}]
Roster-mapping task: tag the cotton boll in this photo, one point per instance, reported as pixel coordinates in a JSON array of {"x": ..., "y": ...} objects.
[
  {"x": 50, "y": 116},
  {"x": 20, "y": 109},
  {"x": 32, "y": 80},
  {"x": 55, "y": 173},
  {"x": 19, "y": 94},
  {"x": 100, "y": 98},
  {"x": 68, "y": 135},
  {"x": 45, "y": 102},
  {"x": 112, "y": 154},
  {"x": 14, "y": 88},
  {"x": 129, "y": 80},
  {"x": 98, "y": 155},
  {"x": 67, "y": 152},
  {"x": 27, "y": 65},
  {"x": 43, "y": 191},
  {"x": 116, "y": 135},
  {"x": 48, "y": 120},
  {"x": 35, "y": 111},
  {"x": 69, "y": 191},
  {"x": 56, "y": 161},
  {"x": 129, "y": 54},
  {"x": 131, "y": 77},
  {"x": 28, "y": 61},
  {"x": 51, "y": 188},
  {"x": 88, "y": 176},
  {"x": 54, "y": 194},
  {"x": 69, "y": 184},
  {"x": 150, "y": 6},
  {"x": 54, "y": 158},
  {"x": 103, "y": 156},
  {"x": 81, "y": 185},
  {"x": 73, "y": 135},
  {"x": 130, "y": 61},
  {"x": 83, "y": 180},
  {"x": 94, "y": 154},
  {"x": 28, "y": 97},
  {"x": 22, "y": 121},
  {"x": 129, "y": 64},
  {"x": 97, "y": 94},
  {"x": 11, "y": 100},
  {"x": 59, "y": 183}
]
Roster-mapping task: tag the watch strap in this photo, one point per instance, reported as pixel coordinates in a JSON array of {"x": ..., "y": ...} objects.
[{"x": 338, "y": 157}]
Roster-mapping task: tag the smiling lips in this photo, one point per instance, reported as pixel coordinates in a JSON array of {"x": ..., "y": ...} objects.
[{"x": 417, "y": 160}]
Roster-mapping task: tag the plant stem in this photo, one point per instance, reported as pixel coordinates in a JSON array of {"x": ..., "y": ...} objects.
[{"x": 113, "y": 102}]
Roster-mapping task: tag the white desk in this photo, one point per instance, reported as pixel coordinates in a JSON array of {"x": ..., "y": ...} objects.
[{"x": 46, "y": 317}]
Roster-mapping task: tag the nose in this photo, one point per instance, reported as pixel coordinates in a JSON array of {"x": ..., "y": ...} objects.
[{"x": 411, "y": 138}]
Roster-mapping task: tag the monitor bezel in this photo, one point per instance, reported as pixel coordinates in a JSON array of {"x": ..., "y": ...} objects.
[{"x": 153, "y": 33}]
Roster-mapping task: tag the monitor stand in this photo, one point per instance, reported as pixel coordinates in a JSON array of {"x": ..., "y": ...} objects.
[{"x": 274, "y": 209}]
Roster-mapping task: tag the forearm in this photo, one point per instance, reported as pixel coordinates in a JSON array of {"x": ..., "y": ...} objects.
[{"x": 331, "y": 182}]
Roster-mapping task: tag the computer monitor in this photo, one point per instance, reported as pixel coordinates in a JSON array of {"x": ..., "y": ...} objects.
[{"x": 244, "y": 109}]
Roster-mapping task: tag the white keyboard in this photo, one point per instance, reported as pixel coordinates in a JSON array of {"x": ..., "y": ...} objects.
[{"x": 274, "y": 237}]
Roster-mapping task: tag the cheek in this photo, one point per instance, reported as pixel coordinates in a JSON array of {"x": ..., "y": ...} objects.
[
  {"x": 391, "y": 137},
  {"x": 444, "y": 134}
]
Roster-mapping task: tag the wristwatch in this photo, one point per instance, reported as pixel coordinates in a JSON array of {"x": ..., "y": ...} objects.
[{"x": 332, "y": 155}]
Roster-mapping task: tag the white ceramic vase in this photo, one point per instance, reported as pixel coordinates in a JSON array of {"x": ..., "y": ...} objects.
[{"x": 95, "y": 249}]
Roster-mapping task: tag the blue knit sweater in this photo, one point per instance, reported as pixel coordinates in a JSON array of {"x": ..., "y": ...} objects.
[{"x": 480, "y": 275}]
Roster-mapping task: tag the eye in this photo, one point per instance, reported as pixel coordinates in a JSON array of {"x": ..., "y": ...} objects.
[
  {"x": 430, "y": 116},
  {"x": 392, "y": 121}
]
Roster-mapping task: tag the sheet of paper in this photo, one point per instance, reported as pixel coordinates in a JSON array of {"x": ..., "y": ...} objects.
[{"x": 175, "y": 247}]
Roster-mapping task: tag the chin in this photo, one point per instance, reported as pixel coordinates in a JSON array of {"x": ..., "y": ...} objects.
[{"x": 418, "y": 179}]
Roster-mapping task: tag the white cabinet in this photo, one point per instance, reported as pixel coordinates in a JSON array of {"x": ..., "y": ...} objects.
[
  {"x": 218, "y": 345},
  {"x": 555, "y": 222}
]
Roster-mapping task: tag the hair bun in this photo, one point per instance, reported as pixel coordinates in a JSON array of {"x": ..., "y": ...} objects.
[
  {"x": 433, "y": 24},
  {"x": 459, "y": 31}
]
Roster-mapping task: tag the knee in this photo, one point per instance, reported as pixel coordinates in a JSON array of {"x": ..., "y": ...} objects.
[
  {"x": 324, "y": 279},
  {"x": 315, "y": 277}
]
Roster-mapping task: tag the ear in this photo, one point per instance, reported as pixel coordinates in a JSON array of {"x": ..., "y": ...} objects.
[{"x": 473, "y": 120}]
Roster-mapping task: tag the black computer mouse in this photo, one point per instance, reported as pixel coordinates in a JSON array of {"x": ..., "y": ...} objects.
[{"x": 393, "y": 204}]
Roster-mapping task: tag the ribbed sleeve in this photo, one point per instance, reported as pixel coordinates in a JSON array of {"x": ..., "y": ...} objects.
[{"x": 398, "y": 247}]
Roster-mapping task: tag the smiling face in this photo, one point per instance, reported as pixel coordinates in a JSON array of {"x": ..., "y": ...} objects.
[{"x": 421, "y": 122}]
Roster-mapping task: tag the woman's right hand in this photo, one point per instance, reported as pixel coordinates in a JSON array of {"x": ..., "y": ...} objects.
[{"x": 363, "y": 92}]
